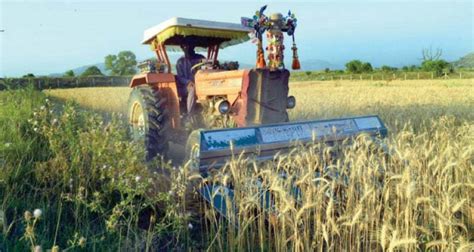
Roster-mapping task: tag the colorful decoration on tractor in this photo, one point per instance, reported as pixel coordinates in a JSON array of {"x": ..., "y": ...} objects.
[{"x": 275, "y": 25}]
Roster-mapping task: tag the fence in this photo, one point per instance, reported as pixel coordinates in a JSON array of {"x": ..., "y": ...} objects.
[
  {"x": 64, "y": 82},
  {"x": 114, "y": 81},
  {"x": 307, "y": 76}
]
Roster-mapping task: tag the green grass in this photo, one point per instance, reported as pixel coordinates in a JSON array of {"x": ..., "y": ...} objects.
[{"x": 85, "y": 175}]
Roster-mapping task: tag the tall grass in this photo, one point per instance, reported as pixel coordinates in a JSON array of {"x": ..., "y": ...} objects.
[{"x": 86, "y": 178}]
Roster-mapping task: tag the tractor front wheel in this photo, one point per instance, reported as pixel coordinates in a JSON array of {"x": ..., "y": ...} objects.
[
  {"x": 193, "y": 149},
  {"x": 148, "y": 121}
]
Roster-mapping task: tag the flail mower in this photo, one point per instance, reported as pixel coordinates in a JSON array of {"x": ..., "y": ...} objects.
[{"x": 215, "y": 109}]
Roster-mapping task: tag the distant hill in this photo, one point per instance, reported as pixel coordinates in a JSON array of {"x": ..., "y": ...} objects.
[
  {"x": 79, "y": 70},
  {"x": 465, "y": 62},
  {"x": 317, "y": 64}
]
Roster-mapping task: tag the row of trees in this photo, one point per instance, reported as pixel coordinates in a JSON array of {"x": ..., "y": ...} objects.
[
  {"x": 431, "y": 62},
  {"x": 122, "y": 64}
]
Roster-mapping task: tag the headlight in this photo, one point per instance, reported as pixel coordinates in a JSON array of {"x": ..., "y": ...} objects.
[
  {"x": 223, "y": 106},
  {"x": 290, "y": 102}
]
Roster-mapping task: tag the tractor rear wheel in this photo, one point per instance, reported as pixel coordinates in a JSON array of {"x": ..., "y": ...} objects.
[{"x": 148, "y": 121}]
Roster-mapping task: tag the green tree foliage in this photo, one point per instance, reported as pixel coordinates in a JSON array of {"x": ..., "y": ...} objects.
[
  {"x": 357, "y": 66},
  {"x": 29, "y": 75},
  {"x": 121, "y": 64},
  {"x": 437, "y": 66},
  {"x": 69, "y": 73},
  {"x": 367, "y": 67},
  {"x": 386, "y": 68},
  {"x": 91, "y": 71},
  {"x": 411, "y": 68}
]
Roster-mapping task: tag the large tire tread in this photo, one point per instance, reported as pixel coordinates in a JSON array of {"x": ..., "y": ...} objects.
[{"x": 156, "y": 123}]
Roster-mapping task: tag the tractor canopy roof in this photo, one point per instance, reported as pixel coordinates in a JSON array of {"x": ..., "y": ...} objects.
[{"x": 202, "y": 33}]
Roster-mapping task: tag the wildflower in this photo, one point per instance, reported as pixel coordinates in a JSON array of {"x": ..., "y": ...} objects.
[
  {"x": 35, "y": 129},
  {"x": 46, "y": 100},
  {"x": 37, "y": 213},
  {"x": 38, "y": 248},
  {"x": 55, "y": 121},
  {"x": 137, "y": 178},
  {"x": 8, "y": 145},
  {"x": 82, "y": 242},
  {"x": 28, "y": 215},
  {"x": 42, "y": 107},
  {"x": 35, "y": 114},
  {"x": 190, "y": 226}
]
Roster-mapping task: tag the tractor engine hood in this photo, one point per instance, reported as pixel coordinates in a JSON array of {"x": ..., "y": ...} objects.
[{"x": 257, "y": 96}]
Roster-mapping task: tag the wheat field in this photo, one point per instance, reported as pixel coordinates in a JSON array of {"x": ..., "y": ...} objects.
[
  {"x": 394, "y": 101},
  {"x": 418, "y": 196}
]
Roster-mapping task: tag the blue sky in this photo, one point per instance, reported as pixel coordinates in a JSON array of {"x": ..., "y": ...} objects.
[{"x": 44, "y": 37}]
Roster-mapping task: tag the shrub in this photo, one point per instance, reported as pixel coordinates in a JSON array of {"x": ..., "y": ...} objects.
[{"x": 436, "y": 66}]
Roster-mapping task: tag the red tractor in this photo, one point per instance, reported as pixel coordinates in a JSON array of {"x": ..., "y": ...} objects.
[{"x": 219, "y": 109}]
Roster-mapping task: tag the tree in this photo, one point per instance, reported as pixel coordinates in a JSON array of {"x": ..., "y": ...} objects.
[
  {"x": 386, "y": 68},
  {"x": 91, "y": 71},
  {"x": 413, "y": 68},
  {"x": 357, "y": 66},
  {"x": 121, "y": 64},
  {"x": 428, "y": 54},
  {"x": 367, "y": 67},
  {"x": 69, "y": 73},
  {"x": 433, "y": 63},
  {"x": 354, "y": 66},
  {"x": 436, "y": 66},
  {"x": 29, "y": 75}
]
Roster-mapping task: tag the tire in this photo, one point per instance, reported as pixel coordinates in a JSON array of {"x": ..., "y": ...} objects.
[
  {"x": 193, "y": 149},
  {"x": 148, "y": 121}
]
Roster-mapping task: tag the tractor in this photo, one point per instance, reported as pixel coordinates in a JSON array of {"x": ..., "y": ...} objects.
[{"x": 227, "y": 110}]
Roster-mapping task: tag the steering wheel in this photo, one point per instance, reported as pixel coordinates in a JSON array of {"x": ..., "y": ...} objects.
[{"x": 211, "y": 63}]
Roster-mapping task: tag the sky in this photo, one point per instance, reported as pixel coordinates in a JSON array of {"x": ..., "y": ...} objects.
[{"x": 44, "y": 37}]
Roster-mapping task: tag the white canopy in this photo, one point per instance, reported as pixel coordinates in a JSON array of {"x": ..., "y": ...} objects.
[{"x": 186, "y": 26}]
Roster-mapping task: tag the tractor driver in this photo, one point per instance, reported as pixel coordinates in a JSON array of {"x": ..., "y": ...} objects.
[{"x": 185, "y": 74}]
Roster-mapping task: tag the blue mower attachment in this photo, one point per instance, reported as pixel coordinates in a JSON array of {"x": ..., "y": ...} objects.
[{"x": 213, "y": 148}]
